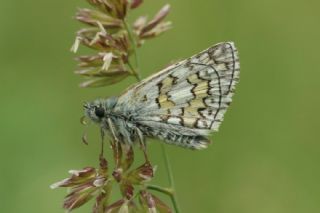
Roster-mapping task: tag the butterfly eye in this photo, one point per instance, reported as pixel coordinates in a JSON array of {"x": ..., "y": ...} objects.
[{"x": 99, "y": 111}]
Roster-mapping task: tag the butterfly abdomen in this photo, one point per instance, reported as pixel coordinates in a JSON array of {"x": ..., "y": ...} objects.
[
  {"x": 186, "y": 141},
  {"x": 171, "y": 137}
]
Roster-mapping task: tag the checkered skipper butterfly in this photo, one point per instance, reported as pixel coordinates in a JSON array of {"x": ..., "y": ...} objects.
[{"x": 180, "y": 105}]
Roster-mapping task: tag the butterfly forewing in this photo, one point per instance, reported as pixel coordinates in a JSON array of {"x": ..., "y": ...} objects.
[{"x": 187, "y": 100}]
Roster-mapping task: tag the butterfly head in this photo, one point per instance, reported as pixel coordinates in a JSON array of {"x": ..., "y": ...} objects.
[{"x": 99, "y": 109}]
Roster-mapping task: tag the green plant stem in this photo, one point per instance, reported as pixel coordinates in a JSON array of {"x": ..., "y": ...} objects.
[
  {"x": 136, "y": 75},
  {"x": 169, "y": 191},
  {"x": 170, "y": 178},
  {"x": 134, "y": 49}
]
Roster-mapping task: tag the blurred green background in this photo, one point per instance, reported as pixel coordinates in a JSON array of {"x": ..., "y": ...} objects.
[{"x": 265, "y": 158}]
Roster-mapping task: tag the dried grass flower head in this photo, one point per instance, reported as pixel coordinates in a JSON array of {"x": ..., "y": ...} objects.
[
  {"x": 109, "y": 33},
  {"x": 89, "y": 183}
]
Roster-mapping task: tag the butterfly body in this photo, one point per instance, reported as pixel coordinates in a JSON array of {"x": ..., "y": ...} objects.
[{"x": 180, "y": 105}]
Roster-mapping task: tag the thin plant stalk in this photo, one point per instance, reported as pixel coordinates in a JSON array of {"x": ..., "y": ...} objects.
[
  {"x": 135, "y": 52},
  {"x": 170, "y": 178}
]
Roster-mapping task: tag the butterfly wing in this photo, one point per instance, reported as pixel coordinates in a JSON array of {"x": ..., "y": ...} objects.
[{"x": 186, "y": 101}]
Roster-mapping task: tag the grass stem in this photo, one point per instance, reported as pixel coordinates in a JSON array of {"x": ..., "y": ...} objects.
[
  {"x": 135, "y": 52},
  {"x": 170, "y": 178}
]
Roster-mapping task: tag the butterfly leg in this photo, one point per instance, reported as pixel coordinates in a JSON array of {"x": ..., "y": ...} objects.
[
  {"x": 116, "y": 145},
  {"x": 142, "y": 144},
  {"x": 112, "y": 130}
]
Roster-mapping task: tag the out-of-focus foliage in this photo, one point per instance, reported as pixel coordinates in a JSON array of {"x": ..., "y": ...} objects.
[{"x": 264, "y": 158}]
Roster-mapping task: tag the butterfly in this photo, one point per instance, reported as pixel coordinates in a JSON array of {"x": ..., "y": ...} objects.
[{"x": 180, "y": 105}]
